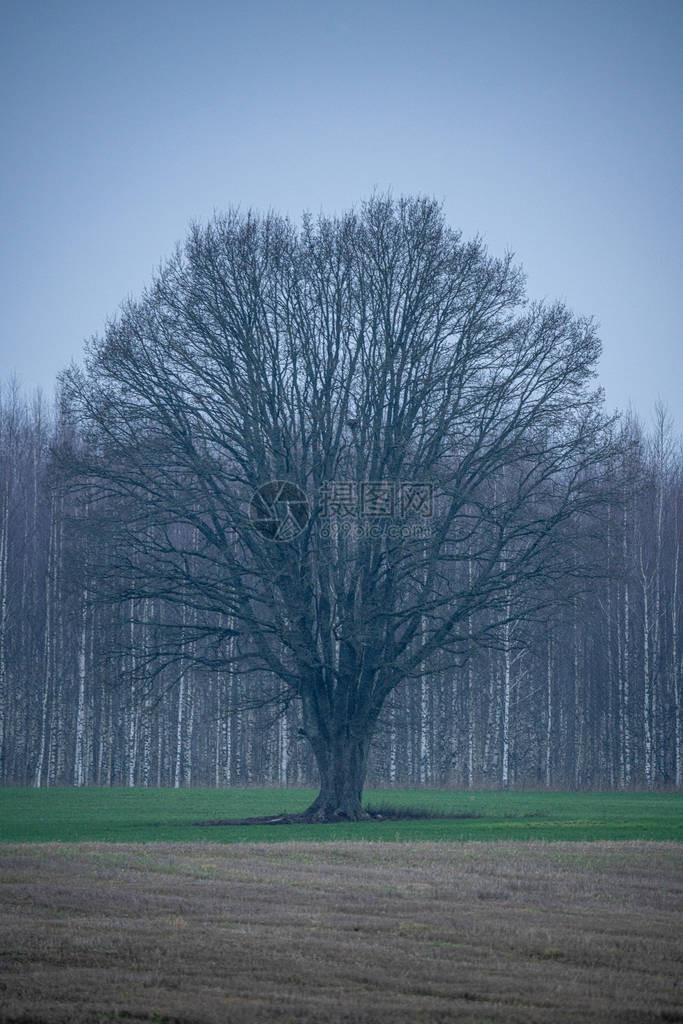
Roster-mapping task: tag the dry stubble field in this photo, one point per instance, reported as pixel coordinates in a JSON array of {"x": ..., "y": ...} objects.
[{"x": 354, "y": 932}]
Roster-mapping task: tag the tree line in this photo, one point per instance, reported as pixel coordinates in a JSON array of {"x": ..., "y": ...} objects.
[{"x": 594, "y": 699}]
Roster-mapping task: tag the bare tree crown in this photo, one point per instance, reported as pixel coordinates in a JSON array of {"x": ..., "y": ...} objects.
[{"x": 375, "y": 349}]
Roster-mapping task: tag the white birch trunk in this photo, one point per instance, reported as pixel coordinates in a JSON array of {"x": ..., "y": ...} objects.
[
  {"x": 227, "y": 774},
  {"x": 392, "y": 744},
  {"x": 647, "y": 712},
  {"x": 470, "y": 720},
  {"x": 576, "y": 711},
  {"x": 179, "y": 768},
  {"x": 59, "y": 705},
  {"x": 626, "y": 691},
  {"x": 161, "y": 725},
  {"x": 424, "y": 766},
  {"x": 144, "y": 719},
  {"x": 657, "y": 618},
  {"x": 491, "y": 718},
  {"x": 4, "y": 547},
  {"x": 283, "y": 746},
  {"x": 99, "y": 772},
  {"x": 423, "y": 738},
  {"x": 230, "y": 723},
  {"x": 507, "y": 675},
  {"x": 676, "y": 667},
  {"x": 219, "y": 743},
  {"x": 549, "y": 713},
  {"x": 132, "y": 738},
  {"x": 79, "y": 769},
  {"x": 612, "y": 695},
  {"x": 189, "y": 730},
  {"x": 38, "y": 777},
  {"x": 470, "y": 690},
  {"x": 178, "y": 773}
]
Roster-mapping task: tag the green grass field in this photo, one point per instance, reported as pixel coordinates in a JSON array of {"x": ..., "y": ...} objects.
[
  {"x": 97, "y": 926},
  {"x": 162, "y": 815}
]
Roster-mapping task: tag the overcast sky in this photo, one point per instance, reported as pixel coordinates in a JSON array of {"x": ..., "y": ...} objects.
[{"x": 551, "y": 128}]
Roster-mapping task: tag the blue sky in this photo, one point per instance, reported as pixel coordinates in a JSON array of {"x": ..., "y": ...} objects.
[{"x": 550, "y": 128}]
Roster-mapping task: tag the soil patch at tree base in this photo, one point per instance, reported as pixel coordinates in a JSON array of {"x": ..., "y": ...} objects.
[{"x": 304, "y": 818}]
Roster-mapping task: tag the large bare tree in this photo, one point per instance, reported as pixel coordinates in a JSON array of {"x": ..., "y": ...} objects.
[{"x": 336, "y": 448}]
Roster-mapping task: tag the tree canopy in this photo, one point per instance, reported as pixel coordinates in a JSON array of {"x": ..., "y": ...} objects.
[{"x": 335, "y": 447}]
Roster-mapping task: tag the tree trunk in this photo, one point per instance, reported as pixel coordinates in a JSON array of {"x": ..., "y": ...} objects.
[
  {"x": 507, "y": 677},
  {"x": 178, "y": 773},
  {"x": 393, "y": 740},
  {"x": 342, "y": 759},
  {"x": 283, "y": 749},
  {"x": 79, "y": 771},
  {"x": 4, "y": 531},
  {"x": 675, "y": 668},
  {"x": 626, "y": 692},
  {"x": 48, "y": 649},
  {"x": 647, "y": 678},
  {"x": 133, "y": 709},
  {"x": 549, "y": 712}
]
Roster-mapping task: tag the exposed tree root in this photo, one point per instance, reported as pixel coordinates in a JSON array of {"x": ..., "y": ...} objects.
[
  {"x": 313, "y": 816},
  {"x": 304, "y": 818}
]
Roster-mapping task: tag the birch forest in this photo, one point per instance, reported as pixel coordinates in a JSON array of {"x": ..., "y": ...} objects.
[{"x": 586, "y": 696}]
